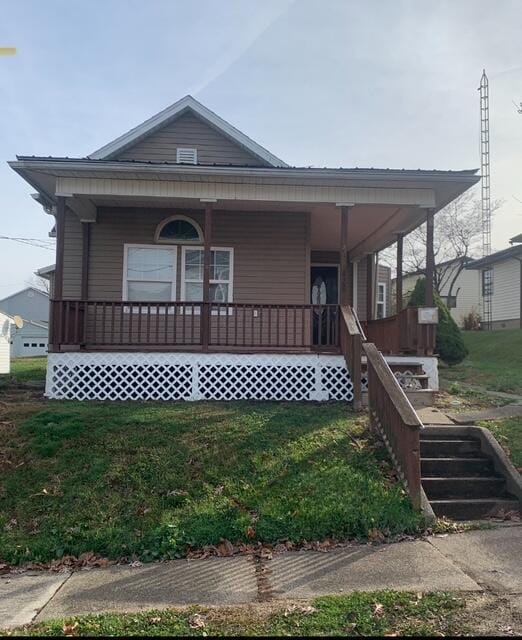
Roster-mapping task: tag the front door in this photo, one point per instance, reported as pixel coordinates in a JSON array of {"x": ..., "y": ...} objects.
[{"x": 324, "y": 283}]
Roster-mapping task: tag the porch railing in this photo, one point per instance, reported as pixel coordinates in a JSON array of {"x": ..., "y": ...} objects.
[
  {"x": 178, "y": 325},
  {"x": 351, "y": 339},
  {"x": 393, "y": 417},
  {"x": 402, "y": 333}
]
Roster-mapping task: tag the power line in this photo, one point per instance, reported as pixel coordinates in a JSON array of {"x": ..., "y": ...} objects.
[{"x": 33, "y": 242}]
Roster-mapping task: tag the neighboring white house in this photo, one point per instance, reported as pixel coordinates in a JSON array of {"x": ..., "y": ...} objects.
[
  {"x": 460, "y": 291},
  {"x": 505, "y": 268},
  {"x": 5, "y": 339},
  {"x": 32, "y": 305}
]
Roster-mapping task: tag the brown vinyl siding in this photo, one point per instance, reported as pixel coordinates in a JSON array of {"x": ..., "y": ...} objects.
[
  {"x": 72, "y": 257},
  {"x": 189, "y": 131},
  {"x": 270, "y": 251}
]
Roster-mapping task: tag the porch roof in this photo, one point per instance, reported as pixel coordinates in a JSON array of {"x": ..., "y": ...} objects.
[{"x": 385, "y": 201}]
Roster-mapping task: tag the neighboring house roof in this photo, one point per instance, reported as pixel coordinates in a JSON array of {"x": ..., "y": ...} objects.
[
  {"x": 188, "y": 103},
  {"x": 515, "y": 239},
  {"x": 17, "y": 293},
  {"x": 505, "y": 254},
  {"x": 45, "y": 272}
]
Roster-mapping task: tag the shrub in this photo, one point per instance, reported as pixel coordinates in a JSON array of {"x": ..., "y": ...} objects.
[
  {"x": 450, "y": 344},
  {"x": 471, "y": 321}
]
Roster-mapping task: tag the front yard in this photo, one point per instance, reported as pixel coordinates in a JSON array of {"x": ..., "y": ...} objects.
[
  {"x": 154, "y": 480},
  {"x": 494, "y": 361}
]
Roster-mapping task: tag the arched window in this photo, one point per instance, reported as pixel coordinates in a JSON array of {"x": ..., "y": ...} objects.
[{"x": 179, "y": 229}]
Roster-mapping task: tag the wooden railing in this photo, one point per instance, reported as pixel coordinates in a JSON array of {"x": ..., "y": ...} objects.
[
  {"x": 350, "y": 342},
  {"x": 402, "y": 333},
  {"x": 392, "y": 415},
  {"x": 176, "y": 325}
]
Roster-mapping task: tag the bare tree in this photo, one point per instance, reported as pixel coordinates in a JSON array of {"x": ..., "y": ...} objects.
[
  {"x": 458, "y": 234},
  {"x": 42, "y": 284}
]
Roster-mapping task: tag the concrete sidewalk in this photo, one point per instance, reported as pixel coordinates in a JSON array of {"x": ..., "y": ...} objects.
[{"x": 460, "y": 562}]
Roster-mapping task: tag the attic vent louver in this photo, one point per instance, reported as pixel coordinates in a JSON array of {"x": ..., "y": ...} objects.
[{"x": 187, "y": 156}]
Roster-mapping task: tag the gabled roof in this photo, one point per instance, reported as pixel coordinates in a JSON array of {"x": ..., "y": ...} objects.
[
  {"x": 17, "y": 293},
  {"x": 188, "y": 103},
  {"x": 505, "y": 254}
]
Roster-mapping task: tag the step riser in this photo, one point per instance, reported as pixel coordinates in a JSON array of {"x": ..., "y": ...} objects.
[
  {"x": 421, "y": 398},
  {"x": 446, "y": 488},
  {"x": 435, "y": 449},
  {"x": 473, "y": 511},
  {"x": 444, "y": 468}
]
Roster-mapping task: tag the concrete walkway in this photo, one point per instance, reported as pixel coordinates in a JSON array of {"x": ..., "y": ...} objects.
[
  {"x": 494, "y": 413},
  {"x": 468, "y": 562}
]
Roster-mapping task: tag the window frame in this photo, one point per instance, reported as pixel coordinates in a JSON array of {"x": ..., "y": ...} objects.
[
  {"x": 381, "y": 302},
  {"x": 230, "y": 281},
  {"x": 173, "y": 280},
  {"x": 483, "y": 282},
  {"x": 166, "y": 221}
]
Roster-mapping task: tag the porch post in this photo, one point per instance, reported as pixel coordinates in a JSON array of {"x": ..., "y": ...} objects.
[
  {"x": 369, "y": 287},
  {"x": 86, "y": 241},
  {"x": 430, "y": 258},
  {"x": 205, "y": 312},
  {"x": 398, "y": 279},
  {"x": 55, "y": 319},
  {"x": 343, "y": 256}
]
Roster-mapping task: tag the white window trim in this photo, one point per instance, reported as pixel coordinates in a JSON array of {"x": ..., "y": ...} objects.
[
  {"x": 383, "y": 301},
  {"x": 163, "y": 223},
  {"x": 230, "y": 281},
  {"x": 125, "y": 290}
]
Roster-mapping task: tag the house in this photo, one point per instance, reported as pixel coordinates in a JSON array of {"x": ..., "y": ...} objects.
[
  {"x": 458, "y": 287},
  {"x": 193, "y": 263},
  {"x": 501, "y": 274},
  {"x": 32, "y": 305},
  {"x": 6, "y": 322}
]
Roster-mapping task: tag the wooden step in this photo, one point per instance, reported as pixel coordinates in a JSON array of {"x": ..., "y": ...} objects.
[
  {"x": 420, "y": 397},
  {"x": 456, "y": 467},
  {"x": 443, "y": 448},
  {"x": 473, "y": 508},
  {"x": 464, "y": 487}
]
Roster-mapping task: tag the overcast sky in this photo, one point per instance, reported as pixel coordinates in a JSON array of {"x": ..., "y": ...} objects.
[{"x": 382, "y": 83}]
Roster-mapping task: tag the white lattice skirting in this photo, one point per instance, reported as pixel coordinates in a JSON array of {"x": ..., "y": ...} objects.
[{"x": 189, "y": 376}]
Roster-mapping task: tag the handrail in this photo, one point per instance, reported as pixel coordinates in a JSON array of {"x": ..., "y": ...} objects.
[
  {"x": 350, "y": 342},
  {"x": 392, "y": 415}
]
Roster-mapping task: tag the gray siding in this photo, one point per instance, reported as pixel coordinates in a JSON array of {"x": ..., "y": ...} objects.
[
  {"x": 189, "y": 131},
  {"x": 29, "y": 304}
]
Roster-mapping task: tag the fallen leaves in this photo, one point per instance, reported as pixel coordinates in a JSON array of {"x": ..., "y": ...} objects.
[
  {"x": 302, "y": 609},
  {"x": 378, "y": 610},
  {"x": 70, "y": 629},
  {"x": 196, "y": 621}
]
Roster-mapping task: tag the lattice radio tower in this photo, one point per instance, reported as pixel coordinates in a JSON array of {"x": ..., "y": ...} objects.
[{"x": 486, "y": 199}]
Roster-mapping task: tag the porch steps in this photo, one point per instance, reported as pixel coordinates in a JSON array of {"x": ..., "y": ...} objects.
[{"x": 460, "y": 480}]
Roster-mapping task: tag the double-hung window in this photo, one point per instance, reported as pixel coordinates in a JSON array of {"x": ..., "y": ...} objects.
[
  {"x": 149, "y": 273},
  {"x": 381, "y": 300},
  {"x": 221, "y": 274}
]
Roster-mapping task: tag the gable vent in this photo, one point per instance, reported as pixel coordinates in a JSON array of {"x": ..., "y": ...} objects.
[{"x": 187, "y": 156}]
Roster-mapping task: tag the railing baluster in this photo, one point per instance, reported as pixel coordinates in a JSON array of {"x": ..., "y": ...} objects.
[{"x": 139, "y": 322}]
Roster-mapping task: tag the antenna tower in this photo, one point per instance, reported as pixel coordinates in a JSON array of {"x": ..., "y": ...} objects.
[{"x": 487, "y": 281}]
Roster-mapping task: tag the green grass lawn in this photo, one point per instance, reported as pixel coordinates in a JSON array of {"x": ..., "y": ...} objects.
[
  {"x": 494, "y": 361},
  {"x": 152, "y": 480},
  {"x": 26, "y": 370},
  {"x": 509, "y": 434},
  {"x": 358, "y": 614}
]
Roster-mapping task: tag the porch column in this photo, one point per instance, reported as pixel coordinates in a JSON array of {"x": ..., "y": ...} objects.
[
  {"x": 55, "y": 317},
  {"x": 343, "y": 256},
  {"x": 86, "y": 241},
  {"x": 398, "y": 279},
  {"x": 207, "y": 240},
  {"x": 430, "y": 257},
  {"x": 369, "y": 287}
]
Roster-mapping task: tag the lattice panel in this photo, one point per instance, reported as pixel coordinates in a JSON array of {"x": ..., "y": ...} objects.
[
  {"x": 140, "y": 376},
  {"x": 252, "y": 382},
  {"x": 337, "y": 382}
]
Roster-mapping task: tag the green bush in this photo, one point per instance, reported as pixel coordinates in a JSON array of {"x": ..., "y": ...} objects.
[{"x": 450, "y": 345}]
